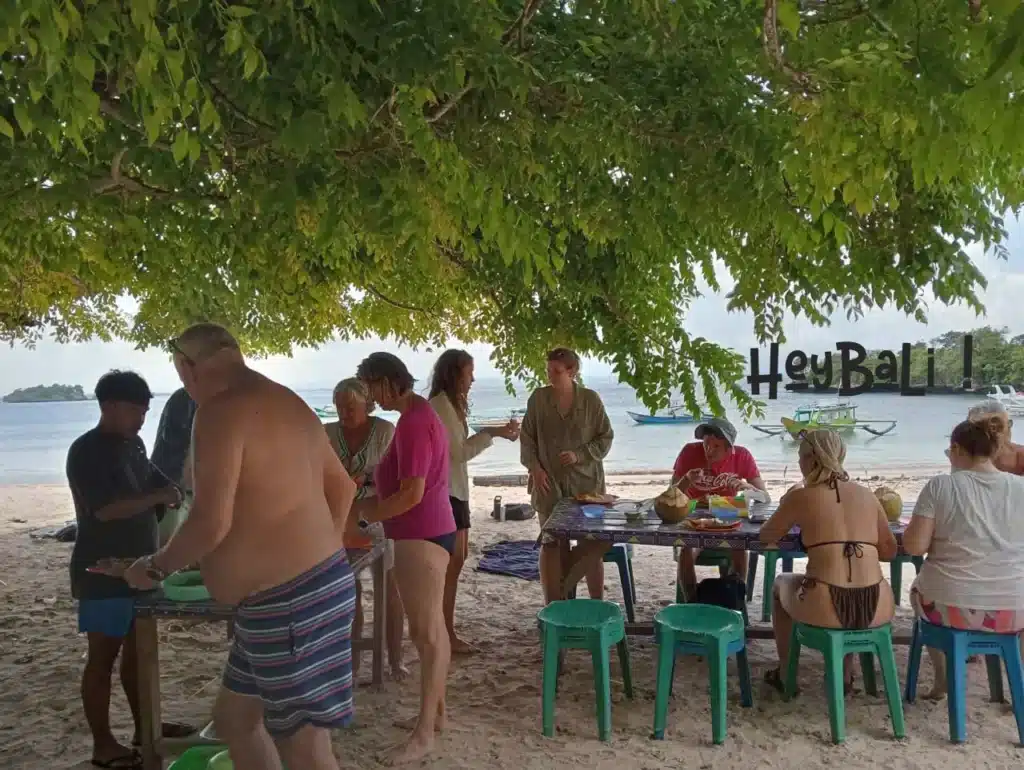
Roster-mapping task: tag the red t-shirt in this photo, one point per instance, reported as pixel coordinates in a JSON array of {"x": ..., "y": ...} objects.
[{"x": 714, "y": 480}]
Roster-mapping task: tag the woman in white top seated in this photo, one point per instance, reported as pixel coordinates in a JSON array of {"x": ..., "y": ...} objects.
[
  {"x": 970, "y": 522},
  {"x": 449, "y": 396}
]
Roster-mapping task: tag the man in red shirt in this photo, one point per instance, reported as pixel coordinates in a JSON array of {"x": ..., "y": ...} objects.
[{"x": 714, "y": 465}]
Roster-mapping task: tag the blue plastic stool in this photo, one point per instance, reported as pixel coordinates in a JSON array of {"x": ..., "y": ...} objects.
[
  {"x": 771, "y": 559},
  {"x": 622, "y": 556},
  {"x": 707, "y": 631},
  {"x": 957, "y": 646},
  {"x": 896, "y": 573}
]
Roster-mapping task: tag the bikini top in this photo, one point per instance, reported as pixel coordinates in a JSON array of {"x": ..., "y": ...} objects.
[{"x": 851, "y": 548}]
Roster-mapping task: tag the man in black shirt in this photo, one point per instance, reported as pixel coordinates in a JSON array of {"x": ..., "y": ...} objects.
[{"x": 117, "y": 494}]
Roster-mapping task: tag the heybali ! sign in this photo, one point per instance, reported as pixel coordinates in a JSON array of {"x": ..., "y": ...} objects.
[{"x": 852, "y": 355}]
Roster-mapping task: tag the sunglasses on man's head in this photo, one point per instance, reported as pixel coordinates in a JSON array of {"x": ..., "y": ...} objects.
[{"x": 175, "y": 348}]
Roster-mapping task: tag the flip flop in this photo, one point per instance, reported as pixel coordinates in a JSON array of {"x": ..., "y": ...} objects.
[
  {"x": 170, "y": 730},
  {"x": 124, "y": 762}
]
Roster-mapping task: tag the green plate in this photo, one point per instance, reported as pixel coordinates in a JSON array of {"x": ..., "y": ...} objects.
[
  {"x": 196, "y": 758},
  {"x": 185, "y": 587}
]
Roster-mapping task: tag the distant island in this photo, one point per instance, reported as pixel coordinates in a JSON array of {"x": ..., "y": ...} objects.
[{"x": 41, "y": 393}]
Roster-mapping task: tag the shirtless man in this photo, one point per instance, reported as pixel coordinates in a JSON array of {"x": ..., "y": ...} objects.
[{"x": 266, "y": 526}]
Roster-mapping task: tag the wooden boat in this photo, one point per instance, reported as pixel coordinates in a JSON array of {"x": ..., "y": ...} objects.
[
  {"x": 841, "y": 416},
  {"x": 676, "y": 413}
]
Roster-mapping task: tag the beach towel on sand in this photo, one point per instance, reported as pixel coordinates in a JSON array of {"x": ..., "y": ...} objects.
[{"x": 515, "y": 558}]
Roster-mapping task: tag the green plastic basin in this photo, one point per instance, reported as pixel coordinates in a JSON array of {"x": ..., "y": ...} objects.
[{"x": 185, "y": 587}]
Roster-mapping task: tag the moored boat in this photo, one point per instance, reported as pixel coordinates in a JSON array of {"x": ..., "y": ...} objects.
[
  {"x": 671, "y": 417},
  {"x": 497, "y": 422},
  {"x": 840, "y": 416}
]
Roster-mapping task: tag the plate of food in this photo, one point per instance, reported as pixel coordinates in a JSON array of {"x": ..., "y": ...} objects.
[
  {"x": 597, "y": 499},
  {"x": 713, "y": 524}
]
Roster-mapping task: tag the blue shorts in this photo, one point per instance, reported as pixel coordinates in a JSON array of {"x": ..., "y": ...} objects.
[
  {"x": 110, "y": 617},
  {"x": 293, "y": 649}
]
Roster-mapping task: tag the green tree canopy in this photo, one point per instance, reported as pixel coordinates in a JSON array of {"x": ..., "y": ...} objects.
[{"x": 516, "y": 172}]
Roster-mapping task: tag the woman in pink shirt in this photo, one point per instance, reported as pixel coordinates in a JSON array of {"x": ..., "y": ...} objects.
[{"x": 413, "y": 506}]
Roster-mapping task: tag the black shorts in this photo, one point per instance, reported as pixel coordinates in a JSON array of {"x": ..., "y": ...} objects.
[{"x": 460, "y": 509}]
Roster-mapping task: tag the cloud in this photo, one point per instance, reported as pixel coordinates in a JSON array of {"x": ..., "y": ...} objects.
[{"x": 84, "y": 363}]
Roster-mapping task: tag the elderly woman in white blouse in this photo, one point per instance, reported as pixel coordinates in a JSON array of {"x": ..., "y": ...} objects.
[
  {"x": 360, "y": 440},
  {"x": 449, "y": 396}
]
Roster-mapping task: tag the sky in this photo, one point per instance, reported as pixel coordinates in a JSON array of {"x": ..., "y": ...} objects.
[{"x": 83, "y": 363}]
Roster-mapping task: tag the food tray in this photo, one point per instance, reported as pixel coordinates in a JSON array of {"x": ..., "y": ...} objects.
[{"x": 185, "y": 587}]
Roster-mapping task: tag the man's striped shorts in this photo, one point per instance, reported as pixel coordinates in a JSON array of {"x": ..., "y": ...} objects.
[{"x": 293, "y": 649}]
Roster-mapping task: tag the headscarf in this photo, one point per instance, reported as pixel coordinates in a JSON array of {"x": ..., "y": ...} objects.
[{"x": 827, "y": 452}]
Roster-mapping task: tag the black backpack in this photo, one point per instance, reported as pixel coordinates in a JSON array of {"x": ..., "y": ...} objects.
[{"x": 729, "y": 592}]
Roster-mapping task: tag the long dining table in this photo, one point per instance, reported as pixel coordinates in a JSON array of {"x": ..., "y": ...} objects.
[{"x": 595, "y": 535}]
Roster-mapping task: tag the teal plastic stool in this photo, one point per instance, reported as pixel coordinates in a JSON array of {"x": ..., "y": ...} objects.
[
  {"x": 621, "y": 555},
  {"x": 711, "y": 557},
  {"x": 583, "y": 624},
  {"x": 712, "y": 632},
  {"x": 896, "y": 573},
  {"x": 836, "y": 644},
  {"x": 771, "y": 560}
]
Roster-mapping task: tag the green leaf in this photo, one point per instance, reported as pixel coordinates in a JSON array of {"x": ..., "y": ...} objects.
[
  {"x": 240, "y": 11},
  {"x": 179, "y": 148},
  {"x": 789, "y": 16},
  {"x": 208, "y": 116},
  {"x": 232, "y": 38},
  {"x": 6, "y": 128},
  {"x": 84, "y": 64},
  {"x": 24, "y": 119}
]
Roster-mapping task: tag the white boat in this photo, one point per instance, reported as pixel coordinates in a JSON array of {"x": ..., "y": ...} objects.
[{"x": 1009, "y": 398}]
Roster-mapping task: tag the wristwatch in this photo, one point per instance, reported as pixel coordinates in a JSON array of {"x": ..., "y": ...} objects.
[{"x": 154, "y": 572}]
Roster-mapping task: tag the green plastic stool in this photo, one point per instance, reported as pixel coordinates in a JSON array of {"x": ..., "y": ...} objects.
[
  {"x": 896, "y": 573},
  {"x": 706, "y": 630},
  {"x": 771, "y": 560},
  {"x": 711, "y": 557},
  {"x": 836, "y": 644},
  {"x": 583, "y": 624}
]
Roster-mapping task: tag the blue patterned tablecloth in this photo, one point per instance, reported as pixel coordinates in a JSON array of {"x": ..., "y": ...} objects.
[{"x": 568, "y": 522}]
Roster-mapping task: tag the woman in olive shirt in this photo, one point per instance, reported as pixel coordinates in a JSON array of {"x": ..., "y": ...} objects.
[{"x": 565, "y": 437}]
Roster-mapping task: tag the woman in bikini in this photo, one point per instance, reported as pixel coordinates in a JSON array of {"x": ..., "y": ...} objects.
[
  {"x": 413, "y": 505},
  {"x": 360, "y": 440},
  {"x": 845, "y": 535}
]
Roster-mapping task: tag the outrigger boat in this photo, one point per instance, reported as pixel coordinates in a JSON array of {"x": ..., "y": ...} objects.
[{"x": 839, "y": 417}]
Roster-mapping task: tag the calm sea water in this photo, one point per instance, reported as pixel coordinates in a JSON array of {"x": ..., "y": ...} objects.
[{"x": 34, "y": 438}]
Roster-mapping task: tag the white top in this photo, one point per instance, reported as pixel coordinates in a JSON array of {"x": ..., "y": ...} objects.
[
  {"x": 976, "y": 558},
  {"x": 461, "y": 446}
]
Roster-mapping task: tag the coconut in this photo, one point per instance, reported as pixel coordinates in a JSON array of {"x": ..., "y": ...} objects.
[
  {"x": 891, "y": 502},
  {"x": 672, "y": 505}
]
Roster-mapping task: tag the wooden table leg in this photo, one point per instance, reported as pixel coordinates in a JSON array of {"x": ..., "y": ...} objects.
[
  {"x": 147, "y": 649},
  {"x": 380, "y": 609}
]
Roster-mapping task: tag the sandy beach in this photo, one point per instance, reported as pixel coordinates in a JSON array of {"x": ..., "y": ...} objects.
[{"x": 494, "y": 696}]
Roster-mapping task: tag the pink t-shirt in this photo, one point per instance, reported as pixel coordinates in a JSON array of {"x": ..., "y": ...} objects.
[
  {"x": 714, "y": 480},
  {"x": 419, "y": 449}
]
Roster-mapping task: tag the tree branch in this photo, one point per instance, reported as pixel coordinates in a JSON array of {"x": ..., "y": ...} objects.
[
  {"x": 375, "y": 292},
  {"x": 515, "y": 30},
  {"x": 772, "y": 47}
]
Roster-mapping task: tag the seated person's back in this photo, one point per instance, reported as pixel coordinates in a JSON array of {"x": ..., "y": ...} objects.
[{"x": 976, "y": 553}]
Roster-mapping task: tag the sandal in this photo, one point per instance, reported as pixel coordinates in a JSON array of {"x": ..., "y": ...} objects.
[
  {"x": 172, "y": 730},
  {"x": 131, "y": 761}
]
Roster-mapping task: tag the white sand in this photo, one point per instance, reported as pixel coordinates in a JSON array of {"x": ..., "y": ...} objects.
[{"x": 494, "y": 697}]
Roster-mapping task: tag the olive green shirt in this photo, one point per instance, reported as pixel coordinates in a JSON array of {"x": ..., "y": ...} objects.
[{"x": 546, "y": 433}]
